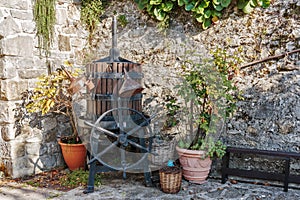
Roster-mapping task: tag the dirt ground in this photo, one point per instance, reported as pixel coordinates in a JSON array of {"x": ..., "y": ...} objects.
[
  {"x": 51, "y": 179},
  {"x": 59, "y": 179}
]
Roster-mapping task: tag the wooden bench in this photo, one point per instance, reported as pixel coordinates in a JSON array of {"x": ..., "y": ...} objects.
[{"x": 285, "y": 176}]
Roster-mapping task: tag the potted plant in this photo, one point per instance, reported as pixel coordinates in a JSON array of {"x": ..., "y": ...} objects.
[
  {"x": 52, "y": 96},
  {"x": 208, "y": 95}
]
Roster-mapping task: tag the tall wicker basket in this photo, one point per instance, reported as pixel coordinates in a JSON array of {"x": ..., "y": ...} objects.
[
  {"x": 164, "y": 151},
  {"x": 170, "y": 179}
]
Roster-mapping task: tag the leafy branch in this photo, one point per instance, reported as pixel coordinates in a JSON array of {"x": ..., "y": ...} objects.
[{"x": 204, "y": 11}]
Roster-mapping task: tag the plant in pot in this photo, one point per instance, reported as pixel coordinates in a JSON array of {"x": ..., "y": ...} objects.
[
  {"x": 208, "y": 94},
  {"x": 52, "y": 97}
]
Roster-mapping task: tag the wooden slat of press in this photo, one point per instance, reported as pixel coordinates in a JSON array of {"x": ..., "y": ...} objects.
[
  {"x": 118, "y": 86},
  {"x": 131, "y": 103},
  {"x": 128, "y": 102},
  {"x": 94, "y": 79},
  {"x": 138, "y": 69},
  {"x": 98, "y": 90},
  {"x": 115, "y": 87},
  {"x": 109, "y": 87},
  {"x": 103, "y": 88},
  {"x": 122, "y": 68}
]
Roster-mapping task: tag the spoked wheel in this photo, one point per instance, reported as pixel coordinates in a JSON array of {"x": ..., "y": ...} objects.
[{"x": 126, "y": 147}]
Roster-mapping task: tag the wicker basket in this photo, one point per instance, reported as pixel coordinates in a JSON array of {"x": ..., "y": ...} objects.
[
  {"x": 164, "y": 150},
  {"x": 170, "y": 179}
]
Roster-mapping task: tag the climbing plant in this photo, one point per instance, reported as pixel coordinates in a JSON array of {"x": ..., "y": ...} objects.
[
  {"x": 44, "y": 16},
  {"x": 90, "y": 13},
  {"x": 204, "y": 11}
]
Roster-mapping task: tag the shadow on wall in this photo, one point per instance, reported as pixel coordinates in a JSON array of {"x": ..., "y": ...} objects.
[{"x": 268, "y": 117}]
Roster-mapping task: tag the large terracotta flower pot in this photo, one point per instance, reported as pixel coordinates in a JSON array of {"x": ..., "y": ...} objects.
[
  {"x": 74, "y": 155},
  {"x": 194, "y": 168}
]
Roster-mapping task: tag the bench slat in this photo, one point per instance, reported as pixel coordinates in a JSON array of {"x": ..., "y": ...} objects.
[
  {"x": 263, "y": 152},
  {"x": 285, "y": 177}
]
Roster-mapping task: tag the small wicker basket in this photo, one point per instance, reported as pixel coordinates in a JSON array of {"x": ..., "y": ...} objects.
[{"x": 170, "y": 179}]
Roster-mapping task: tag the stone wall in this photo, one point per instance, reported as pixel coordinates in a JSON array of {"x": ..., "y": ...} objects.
[
  {"x": 20, "y": 63},
  {"x": 267, "y": 118}
]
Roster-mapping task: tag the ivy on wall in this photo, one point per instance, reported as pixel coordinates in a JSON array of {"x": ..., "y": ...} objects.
[
  {"x": 44, "y": 16},
  {"x": 204, "y": 11}
]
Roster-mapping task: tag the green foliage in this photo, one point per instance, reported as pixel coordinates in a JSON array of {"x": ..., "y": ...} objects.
[
  {"x": 212, "y": 148},
  {"x": 204, "y": 11},
  {"x": 158, "y": 9},
  {"x": 248, "y": 5},
  {"x": 122, "y": 20},
  {"x": 79, "y": 178},
  {"x": 172, "y": 109},
  {"x": 90, "y": 13},
  {"x": 209, "y": 94},
  {"x": 44, "y": 17},
  {"x": 50, "y": 96}
]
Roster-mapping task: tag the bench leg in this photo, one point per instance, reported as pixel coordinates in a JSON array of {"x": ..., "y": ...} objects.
[
  {"x": 287, "y": 174},
  {"x": 225, "y": 166}
]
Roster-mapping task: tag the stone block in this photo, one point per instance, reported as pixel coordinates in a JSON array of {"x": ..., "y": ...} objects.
[
  {"x": 17, "y": 173},
  {"x": 60, "y": 162},
  {"x": 31, "y": 73},
  {"x": 62, "y": 55},
  {"x": 18, "y": 46},
  {"x": 48, "y": 161},
  {"x": 35, "y": 163},
  {"x": 8, "y": 132},
  {"x": 49, "y": 123},
  {"x": 28, "y": 27},
  {"x": 76, "y": 42},
  {"x": 22, "y": 14},
  {"x": 36, "y": 138},
  {"x": 54, "y": 148},
  {"x": 17, "y": 149},
  {"x": 6, "y": 112},
  {"x": 285, "y": 126},
  {"x": 64, "y": 43},
  {"x": 50, "y": 136},
  {"x": 14, "y": 171},
  {"x": 22, "y": 5},
  {"x": 11, "y": 89},
  {"x": 4, "y": 150},
  {"x": 7, "y": 68},
  {"x": 61, "y": 16},
  {"x": 77, "y": 2},
  {"x": 9, "y": 26},
  {"x": 43, "y": 149},
  {"x": 33, "y": 148}
]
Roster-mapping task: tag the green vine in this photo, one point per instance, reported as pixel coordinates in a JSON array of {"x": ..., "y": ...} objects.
[
  {"x": 44, "y": 16},
  {"x": 91, "y": 11},
  {"x": 204, "y": 11}
]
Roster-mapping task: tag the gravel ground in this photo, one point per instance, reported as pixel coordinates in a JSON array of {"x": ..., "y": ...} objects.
[{"x": 114, "y": 187}]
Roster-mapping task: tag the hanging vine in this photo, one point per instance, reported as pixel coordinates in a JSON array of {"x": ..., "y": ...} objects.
[{"x": 44, "y": 16}]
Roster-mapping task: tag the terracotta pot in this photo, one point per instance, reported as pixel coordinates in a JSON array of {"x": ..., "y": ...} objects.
[
  {"x": 194, "y": 167},
  {"x": 74, "y": 155}
]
